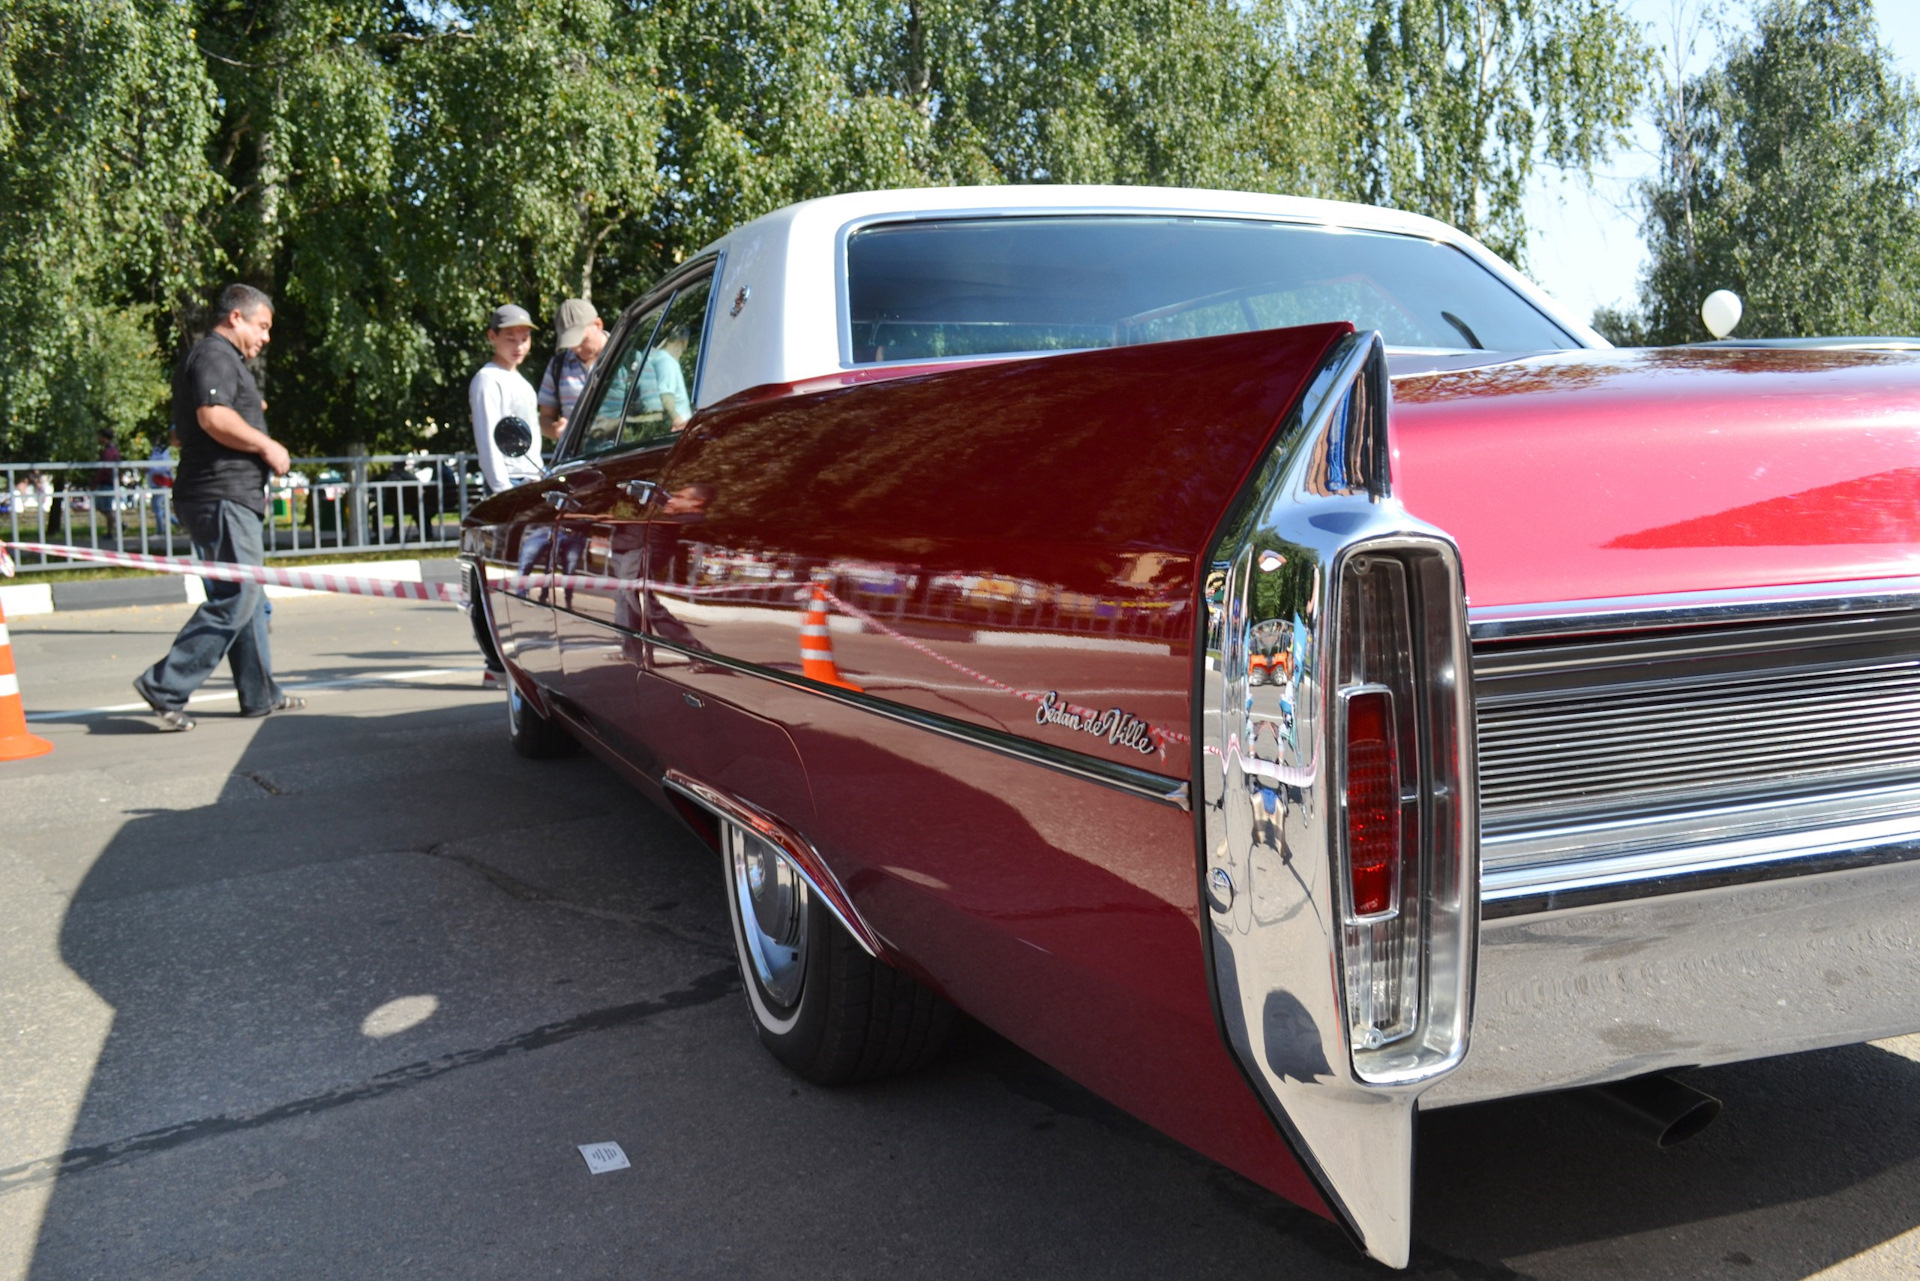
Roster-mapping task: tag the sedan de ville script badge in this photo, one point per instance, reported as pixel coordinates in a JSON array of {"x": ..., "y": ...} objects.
[{"x": 1117, "y": 726}]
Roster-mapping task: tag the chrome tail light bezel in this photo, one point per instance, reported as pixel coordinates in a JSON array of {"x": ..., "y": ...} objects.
[{"x": 1285, "y": 943}]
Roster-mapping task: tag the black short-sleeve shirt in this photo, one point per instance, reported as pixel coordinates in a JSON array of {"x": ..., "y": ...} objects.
[{"x": 213, "y": 373}]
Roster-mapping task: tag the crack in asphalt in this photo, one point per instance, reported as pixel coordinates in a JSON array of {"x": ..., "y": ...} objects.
[
  {"x": 703, "y": 990},
  {"x": 526, "y": 892}
]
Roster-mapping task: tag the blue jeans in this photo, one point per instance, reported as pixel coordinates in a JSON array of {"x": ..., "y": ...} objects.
[{"x": 231, "y": 625}]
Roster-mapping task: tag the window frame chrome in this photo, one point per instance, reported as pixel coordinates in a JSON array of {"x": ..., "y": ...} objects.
[{"x": 662, "y": 293}]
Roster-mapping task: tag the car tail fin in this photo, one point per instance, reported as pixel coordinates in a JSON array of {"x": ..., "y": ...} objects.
[{"x": 1338, "y": 839}]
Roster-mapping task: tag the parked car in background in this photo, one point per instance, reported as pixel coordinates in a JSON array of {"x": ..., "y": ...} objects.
[{"x": 1262, "y": 656}]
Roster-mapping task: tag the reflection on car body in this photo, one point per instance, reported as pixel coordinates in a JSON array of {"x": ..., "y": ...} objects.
[{"x": 1056, "y": 608}]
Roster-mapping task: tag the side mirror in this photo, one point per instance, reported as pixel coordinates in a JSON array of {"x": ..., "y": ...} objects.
[{"x": 513, "y": 436}]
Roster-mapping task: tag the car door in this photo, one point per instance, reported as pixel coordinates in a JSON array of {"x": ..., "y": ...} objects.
[
  {"x": 511, "y": 537},
  {"x": 597, "y": 545},
  {"x": 640, "y": 407}
]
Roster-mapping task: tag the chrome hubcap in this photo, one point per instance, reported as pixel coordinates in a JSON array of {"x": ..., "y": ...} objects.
[{"x": 771, "y": 903}]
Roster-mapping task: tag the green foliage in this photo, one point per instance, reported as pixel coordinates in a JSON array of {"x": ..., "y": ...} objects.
[
  {"x": 1790, "y": 175},
  {"x": 1459, "y": 96},
  {"x": 102, "y": 162},
  {"x": 389, "y": 170},
  {"x": 1621, "y": 326}
]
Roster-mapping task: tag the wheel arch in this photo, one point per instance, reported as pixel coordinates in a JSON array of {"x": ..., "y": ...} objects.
[{"x": 712, "y": 806}]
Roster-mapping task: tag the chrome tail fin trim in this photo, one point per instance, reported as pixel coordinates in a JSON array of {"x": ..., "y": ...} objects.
[{"x": 1300, "y": 972}]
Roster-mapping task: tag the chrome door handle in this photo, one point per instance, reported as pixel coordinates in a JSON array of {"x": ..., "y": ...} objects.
[
  {"x": 641, "y": 491},
  {"x": 556, "y": 498}
]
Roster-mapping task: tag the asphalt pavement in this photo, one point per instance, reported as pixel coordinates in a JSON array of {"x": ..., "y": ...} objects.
[{"x": 340, "y": 993}]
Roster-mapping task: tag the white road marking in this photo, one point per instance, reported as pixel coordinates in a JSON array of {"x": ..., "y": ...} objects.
[{"x": 222, "y": 696}]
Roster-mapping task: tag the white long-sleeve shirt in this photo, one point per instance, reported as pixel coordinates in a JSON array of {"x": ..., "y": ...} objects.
[{"x": 493, "y": 394}]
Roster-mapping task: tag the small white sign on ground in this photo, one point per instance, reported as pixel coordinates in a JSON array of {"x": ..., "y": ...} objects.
[{"x": 604, "y": 1157}]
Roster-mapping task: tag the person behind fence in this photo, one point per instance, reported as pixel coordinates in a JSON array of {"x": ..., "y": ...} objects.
[
  {"x": 160, "y": 479},
  {"x": 219, "y": 495},
  {"x": 579, "y": 338},
  {"x": 497, "y": 391},
  {"x": 106, "y": 494}
]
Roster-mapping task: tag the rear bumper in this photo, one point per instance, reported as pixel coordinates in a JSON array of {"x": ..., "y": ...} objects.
[{"x": 1582, "y": 995}]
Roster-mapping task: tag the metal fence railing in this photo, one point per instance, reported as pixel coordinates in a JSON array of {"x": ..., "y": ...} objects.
[{"x": 379, "y": 502}]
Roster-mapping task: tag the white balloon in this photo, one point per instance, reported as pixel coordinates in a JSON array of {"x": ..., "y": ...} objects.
[{"x": 1721, "y": 312}]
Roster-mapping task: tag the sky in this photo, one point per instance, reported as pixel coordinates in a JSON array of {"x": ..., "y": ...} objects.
[{"x": 1585, "y": 246}]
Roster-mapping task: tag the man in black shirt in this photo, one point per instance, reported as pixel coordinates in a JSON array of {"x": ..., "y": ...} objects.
[{"x": 219, "y": 494}]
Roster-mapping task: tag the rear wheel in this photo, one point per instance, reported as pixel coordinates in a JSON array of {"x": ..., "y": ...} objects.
[
  {"x": 534, "y": 736},
  {"x": 823, "y": 1006}
]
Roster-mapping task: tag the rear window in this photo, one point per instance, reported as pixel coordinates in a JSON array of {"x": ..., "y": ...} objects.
[{"x": 989, "y": 286}]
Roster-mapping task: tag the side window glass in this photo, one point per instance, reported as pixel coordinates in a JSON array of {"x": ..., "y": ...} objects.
[
  {"x": 601, "y": 430},
  {"x": 663, "y": 400}
]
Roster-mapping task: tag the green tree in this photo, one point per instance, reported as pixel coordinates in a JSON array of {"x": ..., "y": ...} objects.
[
  {"x": 102, "y": 159},
  {"x": 398, "y": 171},
  {"x": 391, "y": 169},
  {"x": 1789, "y": 174},
  {"x": 1456, "y": 100}
]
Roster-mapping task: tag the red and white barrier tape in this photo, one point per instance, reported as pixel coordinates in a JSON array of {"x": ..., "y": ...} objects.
[
  {"x": 348, "y": 584},
  {"x": 273, "y": 575},
  {"x": 353, "y": 585}
]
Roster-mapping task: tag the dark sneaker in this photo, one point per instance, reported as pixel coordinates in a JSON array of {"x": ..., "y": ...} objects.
[
  {"x": 285, "y": 703},
  {"x": 172, "y": 719}
]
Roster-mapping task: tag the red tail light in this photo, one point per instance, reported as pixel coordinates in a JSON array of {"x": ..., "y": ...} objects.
[
  {"x": 1373, "y": 803},
  {"x": 1384, "y": 943}
]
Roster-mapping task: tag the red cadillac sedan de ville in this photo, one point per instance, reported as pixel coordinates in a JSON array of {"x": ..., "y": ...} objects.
[{"x": 1262, "y": 656}]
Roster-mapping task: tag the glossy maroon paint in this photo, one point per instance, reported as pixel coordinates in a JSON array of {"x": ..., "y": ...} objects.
[
  {"x": 989, "y": 535},
  {"x": 992, "y": 534},
  {"x": 1004, "y": 531},
  {"x": 1602, "y": 474},
  {"x": 1059, "y": 912}
]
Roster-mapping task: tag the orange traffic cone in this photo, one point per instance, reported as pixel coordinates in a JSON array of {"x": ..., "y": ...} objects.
[
  {"x": 816, "y": 645},
  {"x": 15, "y": 743}
]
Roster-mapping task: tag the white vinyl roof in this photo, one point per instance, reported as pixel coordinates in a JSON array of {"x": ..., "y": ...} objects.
[{"x": 789, "y": 328}]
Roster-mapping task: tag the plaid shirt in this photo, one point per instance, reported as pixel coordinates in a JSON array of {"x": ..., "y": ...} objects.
[{"x": 560, "y": 386}]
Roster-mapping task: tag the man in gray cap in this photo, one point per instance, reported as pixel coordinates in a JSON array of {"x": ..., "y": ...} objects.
[
  {"x": 579, "y": 338},
  {"x": 499, "y": 391}
]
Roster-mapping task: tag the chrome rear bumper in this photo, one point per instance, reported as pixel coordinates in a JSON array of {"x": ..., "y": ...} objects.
[{"x": 1581, "y": 995}]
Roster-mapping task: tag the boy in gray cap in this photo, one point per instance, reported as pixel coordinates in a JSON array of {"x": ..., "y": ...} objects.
[
  {"x": 579, "y": 338},
  {"x": 497, "y": 391}
]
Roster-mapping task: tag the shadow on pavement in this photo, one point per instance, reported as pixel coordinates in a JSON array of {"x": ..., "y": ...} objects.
[
  {"x": 112, "y": 725},
  {"x": 367, "y": 1002},
  {"x": 1815, "y": 1159},
  {"x": 248, "y": 948}
]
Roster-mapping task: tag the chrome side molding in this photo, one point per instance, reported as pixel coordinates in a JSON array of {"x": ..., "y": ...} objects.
[
  {"x": 1338, "y": 837},
  {"x": 1161, "y": 788}
]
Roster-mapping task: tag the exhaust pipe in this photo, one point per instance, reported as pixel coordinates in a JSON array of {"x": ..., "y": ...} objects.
[{"x": 1656, "y": 1105}]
